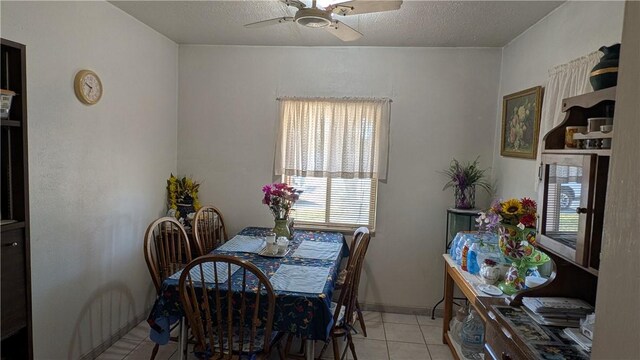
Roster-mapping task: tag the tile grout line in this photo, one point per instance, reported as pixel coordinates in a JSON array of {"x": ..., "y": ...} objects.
[
  {"x": 386, "y": 341},
  {"x": 425, "y": 342},
  {"x": 132, "y": 350}
]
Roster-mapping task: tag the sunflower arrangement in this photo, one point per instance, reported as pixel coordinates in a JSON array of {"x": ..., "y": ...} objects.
[
  {"x": 518, "y": 213},
  {"x": 182, "y": 191},
  {"x": 514, "y": 221}
]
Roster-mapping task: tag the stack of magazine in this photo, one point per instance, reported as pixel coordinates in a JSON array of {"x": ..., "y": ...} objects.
[
  {"x": 575, "y": 335},
  {"x": 557, "y": 311}
]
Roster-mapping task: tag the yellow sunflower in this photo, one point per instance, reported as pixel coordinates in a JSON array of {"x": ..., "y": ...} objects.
[{"x": 512, "y": 207}]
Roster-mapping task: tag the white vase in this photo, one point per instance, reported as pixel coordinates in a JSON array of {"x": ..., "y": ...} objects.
[{"x": 490, "y": 274}]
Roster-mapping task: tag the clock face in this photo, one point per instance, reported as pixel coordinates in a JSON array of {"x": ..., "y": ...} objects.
[
  {"x": 91, "y": 88},
  {"x": 88, "y": 87}
]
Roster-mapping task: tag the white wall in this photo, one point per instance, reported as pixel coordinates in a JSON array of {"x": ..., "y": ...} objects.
[
  {"x": 617, "y": 333},
  {"x": 443, "y": 107},
  {"x": 574, "y": 29},
  {"x": 97, "y": 173}
]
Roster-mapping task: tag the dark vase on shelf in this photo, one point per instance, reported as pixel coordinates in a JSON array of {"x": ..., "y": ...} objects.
[
  {"x": 186, "y": 207},
  {"x": 465, "y": 197},
  {"x": 605, "y": 73}
]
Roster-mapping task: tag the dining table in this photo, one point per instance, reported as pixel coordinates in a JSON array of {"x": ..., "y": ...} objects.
[{"x": 303, "y": 279}]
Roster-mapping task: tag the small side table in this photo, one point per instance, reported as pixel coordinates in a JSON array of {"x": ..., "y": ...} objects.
[{"x": 457, "y": 220}]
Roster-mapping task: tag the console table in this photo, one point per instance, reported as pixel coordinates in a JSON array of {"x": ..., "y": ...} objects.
[
  {"x": 502, "y": 341},
  {"x": 457, "y": 220}
]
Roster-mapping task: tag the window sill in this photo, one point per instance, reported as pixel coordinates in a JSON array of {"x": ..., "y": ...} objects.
[{"x": 345, "y": 230}]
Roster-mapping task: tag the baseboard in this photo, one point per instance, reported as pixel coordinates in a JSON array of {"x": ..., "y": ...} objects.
[
  {"x": 401, "y": 309},
  {"x": 115, "y": 337}
]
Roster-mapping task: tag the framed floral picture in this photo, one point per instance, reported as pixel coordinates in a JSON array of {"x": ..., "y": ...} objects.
[{"x": 521, "y": 123}]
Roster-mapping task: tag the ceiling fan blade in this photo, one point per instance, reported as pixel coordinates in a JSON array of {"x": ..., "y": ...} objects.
[
  {"x": 275, "y": 21},
  {"x": 343, "y": 31},
  {"x": 295, "y": 3},
  {"x": 356, "y": 7}
]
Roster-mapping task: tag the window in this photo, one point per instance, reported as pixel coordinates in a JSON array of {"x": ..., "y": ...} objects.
[
  {"x": 335, "y": 202},
  {"x": 335, "y": 150}
]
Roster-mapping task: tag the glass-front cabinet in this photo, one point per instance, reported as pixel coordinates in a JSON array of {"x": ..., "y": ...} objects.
[{"x": 573, "y": 187}]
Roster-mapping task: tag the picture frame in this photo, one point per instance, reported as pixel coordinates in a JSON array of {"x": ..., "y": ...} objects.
[{"x": 521, "y": 113}]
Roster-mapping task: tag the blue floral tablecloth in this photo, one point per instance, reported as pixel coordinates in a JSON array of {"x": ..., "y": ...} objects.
[{"x": 297, "y": 313}]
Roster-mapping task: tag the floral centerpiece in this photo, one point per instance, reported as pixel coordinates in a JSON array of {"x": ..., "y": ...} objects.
[
  {"x": 464, "y": 178},
  {"x": 182, "y": 197},
  {"x": 514, "y": 221},
  {"x": 280, "y": 197}
]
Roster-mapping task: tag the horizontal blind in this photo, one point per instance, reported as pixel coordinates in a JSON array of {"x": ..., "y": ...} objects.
[
  {"x": 335, "y": 201},
  {"x": 313, "y": 201}
]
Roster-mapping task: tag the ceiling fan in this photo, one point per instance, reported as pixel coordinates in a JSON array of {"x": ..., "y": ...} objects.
[{"x": 315, "y": 17}]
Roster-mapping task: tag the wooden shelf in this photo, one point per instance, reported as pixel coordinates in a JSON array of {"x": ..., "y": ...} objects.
[
  {"x": 15, "y": 271},
  {"x": 593, "y": 135},
  {"x": 578, "y": 109},
  {"x": 589, "y": 100},
  {"x": 467, "y": 283},
  {"x": 12, "y": 123},
  {"x": 456, "y": 349},
  {"x": 13, "y": 226},
  {"x": 599, "y": 152}
]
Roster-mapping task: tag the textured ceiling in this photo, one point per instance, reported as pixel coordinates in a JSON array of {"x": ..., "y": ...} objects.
[{"x": 417, "y": 23}]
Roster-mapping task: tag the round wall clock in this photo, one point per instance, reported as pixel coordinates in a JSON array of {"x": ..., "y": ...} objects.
[{"x": 88, "y": 87}]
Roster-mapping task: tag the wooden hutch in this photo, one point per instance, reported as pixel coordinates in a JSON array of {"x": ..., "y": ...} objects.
[
  {"x": 15, "y": 272},
  {"x": 576, "y": 261}
]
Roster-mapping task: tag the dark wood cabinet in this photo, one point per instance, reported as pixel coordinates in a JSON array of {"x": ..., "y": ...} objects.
[
  {"x": 573, "y": 183},
  {"x": 499, "y": 343},
  {"x": 15, "y": 268}
]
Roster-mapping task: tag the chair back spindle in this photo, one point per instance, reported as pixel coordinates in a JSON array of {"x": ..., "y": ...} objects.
[
  {"x": 229, "y": 304},
  {"x": 166, "y": 249},
  {"x": 209, "y": 229}
]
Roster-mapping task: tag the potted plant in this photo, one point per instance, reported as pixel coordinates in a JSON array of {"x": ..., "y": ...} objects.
[
  {"x": 182, "y": 198},
  {"x": 464, "y": 177}
]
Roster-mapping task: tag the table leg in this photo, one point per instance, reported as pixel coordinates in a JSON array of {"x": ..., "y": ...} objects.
[
  {"x": 448, "y": 301},
  {"x": 310, "y": 349},
  {"x": 182, "y": 338}
]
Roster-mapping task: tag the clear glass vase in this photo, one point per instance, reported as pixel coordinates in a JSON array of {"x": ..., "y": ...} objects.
[
  {"x": 465, "y": 197},
  {"x": 281, "y": 228}
]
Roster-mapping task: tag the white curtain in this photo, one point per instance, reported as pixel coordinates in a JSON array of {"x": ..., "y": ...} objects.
[
  {"x": 338, "y": 138},
  {"x": 564, "y": 81}
]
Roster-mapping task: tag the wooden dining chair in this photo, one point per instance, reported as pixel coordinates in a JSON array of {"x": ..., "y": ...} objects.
[
  {"x": 227, "y": 324},
  {"x": 166, "y": 250},
  {"x": 358, "y": 235},
  {"x": 343, "y": 310},
  {"x": 357, "y": 251},
  {"x": 209, "y": 229}
]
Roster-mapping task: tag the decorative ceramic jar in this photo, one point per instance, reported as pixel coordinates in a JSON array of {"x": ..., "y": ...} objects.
[
  {"x": 605, "y": 73},
  {"x": 514, "y": 281},
  {"x": 490, "y": 272},
  {"x": 281, "y": 228}
]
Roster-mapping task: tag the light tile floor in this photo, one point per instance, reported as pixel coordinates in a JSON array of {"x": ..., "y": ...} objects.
[{"x": 390, "y": 337}]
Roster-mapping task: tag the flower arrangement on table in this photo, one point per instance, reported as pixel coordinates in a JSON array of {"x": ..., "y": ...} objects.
[
  {"x": 182, "y": 197},
  {"x": 280, "y": 197},
  {"x": 514, "y": 221},
  {"x": 464, "y": 177}
]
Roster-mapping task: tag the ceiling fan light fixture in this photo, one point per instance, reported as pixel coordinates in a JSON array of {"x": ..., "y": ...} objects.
[{"x": 314, "y": 18}]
